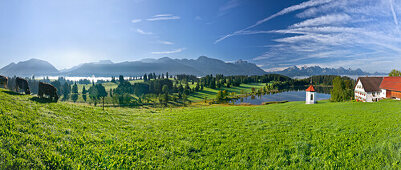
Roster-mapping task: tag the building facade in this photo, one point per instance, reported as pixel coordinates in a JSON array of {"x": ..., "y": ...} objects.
[
  {"x": 310, "y": 95},
  {"x": 373, "y": 89}
]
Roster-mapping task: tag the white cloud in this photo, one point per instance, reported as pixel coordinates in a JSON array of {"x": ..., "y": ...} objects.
[
  {"x": 324, "y": 20},
  {"x": 170, "y": 52},
  {"x": 161, "y": 17},
  {"x": 394, "y": 14},
  {"x": 143, "y": 32},
  {"x": 166, "y": 42},
  {"x": 348, "y": 33},
  {"x": 136, "y": 20},
  {"x": 293, "y": 8},
  {"x": 228, "y": 6}
]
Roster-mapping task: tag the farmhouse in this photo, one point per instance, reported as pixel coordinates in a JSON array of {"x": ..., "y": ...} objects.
[
  {"x": 372, "y": 89},
  {"x": 391, "y": 87}
]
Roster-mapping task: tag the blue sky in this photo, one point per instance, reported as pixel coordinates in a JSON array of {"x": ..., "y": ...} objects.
[{"x": 273, "y": 34}]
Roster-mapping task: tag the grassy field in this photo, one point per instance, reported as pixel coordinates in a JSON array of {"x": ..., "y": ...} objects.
[
  {"x": 211, "y": 93},
  {"x": 193, "y": 97},
  {"x": 291, "y": 135}
]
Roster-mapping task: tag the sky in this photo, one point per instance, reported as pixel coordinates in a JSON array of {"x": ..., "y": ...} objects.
[{"x": 273, "y": 34}]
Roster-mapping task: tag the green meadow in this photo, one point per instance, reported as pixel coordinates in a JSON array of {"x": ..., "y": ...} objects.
[{"x": 39, "y": 135}]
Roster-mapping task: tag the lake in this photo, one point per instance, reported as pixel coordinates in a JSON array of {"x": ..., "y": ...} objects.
[{"x": 281, "y": 96}]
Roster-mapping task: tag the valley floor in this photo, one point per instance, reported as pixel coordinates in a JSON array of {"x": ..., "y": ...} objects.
[{"x": 290, "y": 135}]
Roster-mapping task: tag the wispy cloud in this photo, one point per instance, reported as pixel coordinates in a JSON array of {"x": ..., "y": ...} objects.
[
  {"x": 136, "y": 20},
  {"x": 324, "y": 20},
  {"x": 158, "y": 17},
  {"x": 358, "y": 33},
  {"x": 293, "y": 8},
  {"x": 162, "y": 17},
  {"x": 394, "y": 14},
  {"x": 170, "y": 52},
  {"x": 143, "y": 32},
  {"x": 228, "y": 6},
  {"x": 166, "y": 42}
]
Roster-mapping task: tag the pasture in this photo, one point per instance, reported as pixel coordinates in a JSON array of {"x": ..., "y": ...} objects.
[{"x": 36, "y": 134}]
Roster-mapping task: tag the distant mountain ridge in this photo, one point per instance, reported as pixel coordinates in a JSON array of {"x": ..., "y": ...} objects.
[
  {"x": 316, "y": 70},
  {"x": 199, "y": 67},
  {"x": 28, "y": 68}
]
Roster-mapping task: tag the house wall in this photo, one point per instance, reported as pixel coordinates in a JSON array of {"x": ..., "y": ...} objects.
[
  {"x": 362, "y": 95},
  {"x": 383, "y": 94},
  {"x": 359, "y": 91},
  {"x": 308, "y": 97},
  {"x": 394, "y": 94}
]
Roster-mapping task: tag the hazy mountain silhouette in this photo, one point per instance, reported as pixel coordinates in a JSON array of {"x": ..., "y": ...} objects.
[
  {"x": 316, "y": 70},
  {"x": 200, "y": 67},
  {"x": 28, "y": 68}
]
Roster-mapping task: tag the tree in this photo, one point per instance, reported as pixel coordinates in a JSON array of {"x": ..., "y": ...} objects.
[
  {"x": 338, "y": 91},
  {"x": 121, "y": 78},
  {"x": 395, "y": 73},
  {"x": 184, "y": 99},
  {"x": 57, "y": 85},
  {"x": 145, "y": 78},
  {"x": 75, "y": 88},
  {"x": 221, "y": 96},
  {"x": 141, "y": 89},
  {"x": 93, "y": 94},
  {"x": 212, "y": 84},
  {"x": 165, "y": 91},
  {"x": 124, "y": 87},
  {"x": 66, "y": 90},
  {"x": 101, "y": 92},
  {"x": 84, "y": 93},
  {"x": 74, "y": 97}
]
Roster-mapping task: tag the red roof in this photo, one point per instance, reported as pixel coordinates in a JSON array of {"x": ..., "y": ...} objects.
[
  {"x": 311, "y": 89},
  {"x": 391, "y": 83}
]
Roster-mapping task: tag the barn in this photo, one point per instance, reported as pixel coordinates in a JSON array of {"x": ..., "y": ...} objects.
[{"x": 391, "y": 87}]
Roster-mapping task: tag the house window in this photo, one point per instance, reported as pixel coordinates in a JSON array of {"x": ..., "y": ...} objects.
[{"x": 311, "y": 97}]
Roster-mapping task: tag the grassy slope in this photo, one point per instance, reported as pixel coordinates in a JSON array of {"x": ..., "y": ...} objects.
[
  {"x": 287, "y": 135},
  {"x": 211, "y": 93}
]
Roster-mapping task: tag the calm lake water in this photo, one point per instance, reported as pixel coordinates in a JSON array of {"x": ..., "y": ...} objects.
[{"x": 289, "y": 96}]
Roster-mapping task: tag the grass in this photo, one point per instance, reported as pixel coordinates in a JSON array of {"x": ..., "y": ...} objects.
[
  {"x": 290, "y": 135},
  {"x": 211, "y": 93},
  {"x": 193, "y": 97}
]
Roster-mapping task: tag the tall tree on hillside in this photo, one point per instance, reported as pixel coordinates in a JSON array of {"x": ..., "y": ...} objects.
[
  {"x": 166, "y": 92},
  {"x": 93, "y": 94},
  {"x": 66, "y": 90},
  {"x": 111, "y": 92},
  {"x": 338, "y": 91},
  {"x": 101, "y": 92},
  {"x": 145, "y": 78},
  {"x": 121, "y": 78},
  {"x": 57, "y": 85},
  {"x": 75, "y": 88},
  {"x": 84, "y": 93},
  {"x": 74, "y": 91},
  {"x": 395, "y": 73}
]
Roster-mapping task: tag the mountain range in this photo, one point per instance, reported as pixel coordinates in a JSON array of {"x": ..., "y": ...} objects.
[
  {"x": 316, "y": 70},
  {"x": 29, "y": 68},
  {"x": 200, "y": 67}
]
